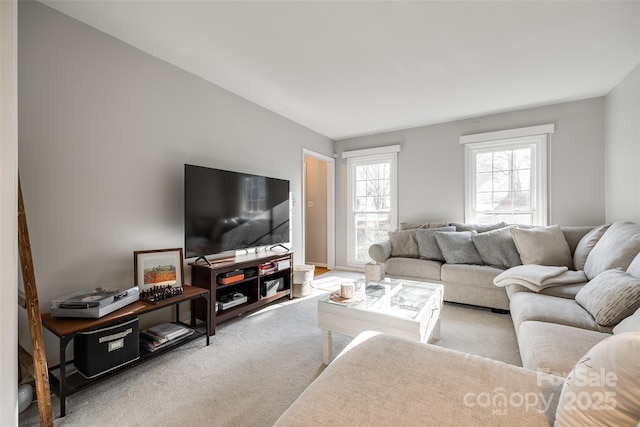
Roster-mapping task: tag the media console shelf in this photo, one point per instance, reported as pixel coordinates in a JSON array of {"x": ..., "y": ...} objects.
[
  {"x": 254, "y": 285},
  {"x": 65, "y": 384}
]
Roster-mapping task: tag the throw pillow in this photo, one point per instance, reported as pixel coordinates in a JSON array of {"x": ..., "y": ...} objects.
[
  {"x": 496, "y": 247},
  {"x": 543, "y": 246},
  {"x": 586, "y": 244},
  {"x": 610, "y": 296},
  {"x": 630, "y": 324},
  {"x": 427, "y": 244},
  {"x": 602, "y": 389},
  {"x": 480, "y": 228},
  {"x": 634, "y": 267},
  {"x": 404, "y": 244},
  {"x": 616, "y": 249},
  {"x": 457, "y": 247}
]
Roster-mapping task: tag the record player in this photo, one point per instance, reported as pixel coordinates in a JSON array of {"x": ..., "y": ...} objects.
[{"x": 93, "y": 303}]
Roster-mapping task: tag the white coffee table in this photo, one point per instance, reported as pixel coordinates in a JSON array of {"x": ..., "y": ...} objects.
[{"x": 403, "y": 308}]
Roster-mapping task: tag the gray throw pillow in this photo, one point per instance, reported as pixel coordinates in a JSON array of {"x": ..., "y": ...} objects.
[
  {"x": 427, "y": 244},
  {"x": 404, "y": 244},
  {"x": 634, "y": 267},
  {"x": 610, "y": 296},
  {"x": 617, "y": 247},
  {"x": 496, "y": 247},
  {"x": 480, "y": 228},
  {"x": 543, "y": 246},
  {"x": 457, "y": 247},
  {"x": 586, "y": 244}
]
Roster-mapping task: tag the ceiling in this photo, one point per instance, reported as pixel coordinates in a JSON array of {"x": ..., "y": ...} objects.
[{"x": 355, "y": 68}]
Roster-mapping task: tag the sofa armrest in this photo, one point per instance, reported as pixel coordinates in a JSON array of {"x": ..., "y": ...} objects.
[{"x": 380, "y": 251}]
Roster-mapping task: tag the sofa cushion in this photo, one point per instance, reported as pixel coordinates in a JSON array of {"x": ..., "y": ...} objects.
[
  {"x": 602, "y": 389},
  {"x": 617, "y": 247},
  {"x": 427, "y": 244},
  {"x": 545, "y": 308},
  {"x": 611, "y": 296},
  {"x": 628, "y": 324},
  {"x": 404, "y": 244},
  {"x": 457, "y": 247},
  {"x": 480, "y": 276},
  {"x": 413, "y": 268},
  {"x": 634, "y": 267},
  {"x": 543, "y": 246},
  {"x": 554, "y": 348},
  {"x": 586, "y": 244},
  {"x": 496, "y": 247},
  {"x": 389, "y": 381},
  {"x": 480, "y": 228}
]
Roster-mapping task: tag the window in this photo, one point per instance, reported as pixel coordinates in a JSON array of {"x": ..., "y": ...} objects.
[
  {"x": 506, "y": 178},
  {"x": 372, "y": 200}
]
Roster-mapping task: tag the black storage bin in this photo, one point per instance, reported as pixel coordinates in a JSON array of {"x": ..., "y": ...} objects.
[
  {"x": 102, "y": 350},
  {"x": 270, "y": 287}
]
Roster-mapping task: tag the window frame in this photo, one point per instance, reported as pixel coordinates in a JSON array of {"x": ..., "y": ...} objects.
[
  {"x": 352, "y": 162},
  {"x": 539, "y": 173}
]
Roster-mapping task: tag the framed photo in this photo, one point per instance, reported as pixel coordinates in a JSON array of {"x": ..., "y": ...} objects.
[{"x": 159, "y": 267}]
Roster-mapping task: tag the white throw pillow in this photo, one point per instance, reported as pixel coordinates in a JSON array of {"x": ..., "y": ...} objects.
[{"x": 602, "y": 389}]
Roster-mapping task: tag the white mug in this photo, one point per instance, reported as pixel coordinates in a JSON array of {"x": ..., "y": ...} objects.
[{"x": 346, "y": 290}]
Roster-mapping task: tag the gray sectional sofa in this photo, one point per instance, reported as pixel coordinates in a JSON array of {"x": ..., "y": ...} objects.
[
  {"x": 575, "y": 303},
  {"x": 465, "y": 258}
]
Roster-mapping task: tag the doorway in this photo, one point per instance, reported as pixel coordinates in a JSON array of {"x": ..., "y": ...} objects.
[{"x": 318, "y": 214}]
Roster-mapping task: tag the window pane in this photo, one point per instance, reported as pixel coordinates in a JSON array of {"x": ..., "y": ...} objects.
[
  {"x": 484, "y": 162},
  {"x": 522, "y": 179},
  {"x": 502, "y": 160},
  {"x": 484, "y": 201},
  {"x": 484, "y": 181},
  {"x": 502, "y": 201},
  {"x": 522, "y": 158},
  {"x": 522, "y": 201}
]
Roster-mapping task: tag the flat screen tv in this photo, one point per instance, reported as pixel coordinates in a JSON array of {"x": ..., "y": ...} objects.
[{"x": 227, "y": 211}]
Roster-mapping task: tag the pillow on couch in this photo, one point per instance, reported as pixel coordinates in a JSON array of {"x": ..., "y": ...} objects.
[
  {"x": 496, "y": 247},
  {"x": 543, "y": 246},
  {"x": 427, "y": 244},
  {"x": 610, "y": 296},
  {"x": 457, "y": 247},
  {"x": 480, "y": 228},
  {"x": 414, "y": 225},
  {"x": 404, "y": 244},
  {"x": 586, "y": 244},
  {"x": 602, "y": 389},
  {"x": 617, "y": 247}
]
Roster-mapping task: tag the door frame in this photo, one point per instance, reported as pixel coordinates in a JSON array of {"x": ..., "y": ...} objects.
[{"x": 331, "y": 216}]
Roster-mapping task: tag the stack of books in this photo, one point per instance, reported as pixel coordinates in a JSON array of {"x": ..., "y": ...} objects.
[{"x": 163, "y": 334}]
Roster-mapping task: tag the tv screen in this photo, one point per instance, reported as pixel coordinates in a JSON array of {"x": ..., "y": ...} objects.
[{"x": 227, "y": 211}]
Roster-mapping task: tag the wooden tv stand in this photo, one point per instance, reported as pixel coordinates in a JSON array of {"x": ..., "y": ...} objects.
[{"x": 252, "y": 286}]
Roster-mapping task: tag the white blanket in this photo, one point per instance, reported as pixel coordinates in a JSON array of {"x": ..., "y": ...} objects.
[{"x": 538, "y": 277}]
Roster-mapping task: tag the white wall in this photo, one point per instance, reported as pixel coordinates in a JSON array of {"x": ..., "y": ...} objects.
[
  {"x": 8, "y": 210},
  {"x": 105, "y": 130},
  {"x": 622, "y": 154},
  {"x": 431, "y": 165}
]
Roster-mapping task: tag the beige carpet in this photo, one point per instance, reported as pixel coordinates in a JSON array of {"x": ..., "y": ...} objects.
[{"x": 254, "y": 368}]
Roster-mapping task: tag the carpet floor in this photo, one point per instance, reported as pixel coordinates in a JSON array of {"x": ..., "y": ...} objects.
[{"x": 254, "y": 368}]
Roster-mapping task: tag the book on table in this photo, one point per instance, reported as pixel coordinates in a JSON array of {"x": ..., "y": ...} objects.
[{"x": 163, "y": 334}]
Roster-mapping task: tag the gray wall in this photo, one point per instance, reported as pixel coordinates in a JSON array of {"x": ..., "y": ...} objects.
[
  {"x": 622, "y": 155},
  {"x": 104, "y": 132},
  {"x": 431, "y": 165}
]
